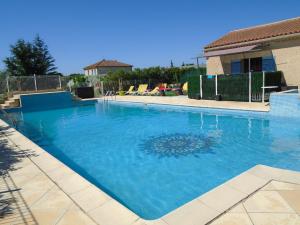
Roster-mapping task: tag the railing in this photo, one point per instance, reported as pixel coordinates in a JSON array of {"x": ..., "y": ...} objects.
[
  {"x": 35, "y": 83},
  {"x": 254, "y": 86},
  {"x": 110, "y": 94}
]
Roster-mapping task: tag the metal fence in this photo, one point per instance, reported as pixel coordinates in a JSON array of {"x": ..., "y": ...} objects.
[
  {"x": 238, "y": 87},
  {"x": 36, "y": 83}
]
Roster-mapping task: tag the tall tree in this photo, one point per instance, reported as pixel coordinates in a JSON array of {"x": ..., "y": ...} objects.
[
  {"x": 30, "y": 58},
  {"x": 172, "y": 65},
  {"x": 2, "y": 74},
  {"x": 43, "y": 62}
]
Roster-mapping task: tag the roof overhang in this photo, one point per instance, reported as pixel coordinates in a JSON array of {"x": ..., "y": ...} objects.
[{"x": 232, "y": 51}]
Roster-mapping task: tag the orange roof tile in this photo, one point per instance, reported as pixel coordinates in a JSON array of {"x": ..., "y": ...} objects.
[
  {"x": 107, "y": 63},
  {"x": 242, "y": 36}
]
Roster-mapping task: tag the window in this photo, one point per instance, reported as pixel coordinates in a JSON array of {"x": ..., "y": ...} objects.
[
  {"x": 255, "y": 65},
  {"x": 258, "y": 64}
]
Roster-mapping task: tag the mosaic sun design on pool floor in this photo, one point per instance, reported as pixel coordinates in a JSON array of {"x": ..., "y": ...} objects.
[{"x": 178, "y": 144}]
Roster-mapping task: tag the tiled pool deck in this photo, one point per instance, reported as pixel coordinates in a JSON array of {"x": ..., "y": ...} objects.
[
  {"x": 275, "y": 203},
  {"x": 39, "y": 189},
  {"x": 185, "y": 101}
]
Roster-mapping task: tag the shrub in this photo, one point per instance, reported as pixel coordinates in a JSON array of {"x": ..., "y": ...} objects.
[{"x": 170, "y": 93}]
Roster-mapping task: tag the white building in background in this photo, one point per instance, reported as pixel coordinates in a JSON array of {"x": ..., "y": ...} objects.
[{"x": 104, "y": 66}]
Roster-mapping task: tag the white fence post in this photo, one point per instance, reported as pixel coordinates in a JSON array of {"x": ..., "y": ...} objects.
[
  {"x": 216, "y": 79},
  {"x": 35, "y": 82},
  {"x": 102, "y": 88},
  {"x": 7, "y": 83},
  {"x": 263, "y": 87},
  {"x": 70, "y": 88},
  {"x": 201, "y": 92},
  {"x": 250, "y": 86},
  {"x": 59, "y": 82},
  {"x": 121, "y": 85}
]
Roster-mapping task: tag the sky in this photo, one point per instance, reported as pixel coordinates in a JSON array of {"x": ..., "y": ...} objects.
[{"x": 139, "y": 32}]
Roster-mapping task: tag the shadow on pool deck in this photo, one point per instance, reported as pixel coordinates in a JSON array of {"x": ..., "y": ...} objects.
[{"x": 13, "y": 208}]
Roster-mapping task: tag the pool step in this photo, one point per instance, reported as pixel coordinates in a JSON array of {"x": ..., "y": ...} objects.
[{"x": 12, "y": 102}]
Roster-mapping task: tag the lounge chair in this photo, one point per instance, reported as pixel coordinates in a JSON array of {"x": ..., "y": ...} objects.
[
  {"x": 155, "y": 91},
  {"x": 162, "y": 86},
  {"x": 185, "y": 88},
  {"x": 130, "y": 90},
  {"x": 141, "y": 89}
]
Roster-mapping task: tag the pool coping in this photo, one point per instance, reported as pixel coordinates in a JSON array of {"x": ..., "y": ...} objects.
[
  {"x": 228, "y": 111},
  {"x": 153, "y": 101},
  {"x": 105, "y": 210}
]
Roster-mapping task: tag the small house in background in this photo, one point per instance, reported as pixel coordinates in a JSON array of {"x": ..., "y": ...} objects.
[
  {"x": 103, "y": 67},
  {"x": 269, "y": 47}
]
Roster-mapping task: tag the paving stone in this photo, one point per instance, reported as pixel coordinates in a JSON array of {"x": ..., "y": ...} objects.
[
  {"x": 233, "y": 219},
  {"x": 268, "y": 202},
  {"x": 192, "y": 213},
  {"x": 113, "y": 213},
  {"x": 274, "y": 219},
  {"x": 278, "y": 185},
  {"x": 292, "y": 197},
  {"x": 74, "y": 216}
]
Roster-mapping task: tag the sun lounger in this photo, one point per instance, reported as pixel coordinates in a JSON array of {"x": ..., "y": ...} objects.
[
  {"x": 130, "y": 90},
  {"x": 155, "y": 91},
  {"x": 141, "y": 89},
  {"x": 162, "y": 86},
  {"x": 185, "y": 88}
]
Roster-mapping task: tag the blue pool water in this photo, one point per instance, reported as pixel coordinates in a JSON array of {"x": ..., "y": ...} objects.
[{"x": 154, "y": 159}]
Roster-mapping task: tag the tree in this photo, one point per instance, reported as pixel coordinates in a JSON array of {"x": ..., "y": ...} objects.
[
  {"x": 30, "y": 58},
  {"x": 43, "y": 62},
  {"x": 2, "y": 74},
  {"x": 172, "y": 65}
]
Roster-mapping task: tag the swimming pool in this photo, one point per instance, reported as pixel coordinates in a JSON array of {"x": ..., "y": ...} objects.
[{"x": 155, "y": 158}]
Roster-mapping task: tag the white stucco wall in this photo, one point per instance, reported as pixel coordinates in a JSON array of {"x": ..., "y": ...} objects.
[{"x": 105, "y": 70}]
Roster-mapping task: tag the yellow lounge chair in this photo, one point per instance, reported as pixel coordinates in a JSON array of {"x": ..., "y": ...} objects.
[
  {"x": 141, "y": 89},
  {"x": 185, "y": 88},
  {"x": 155, "y": 91},
  {"x": 130, "y": 90}
]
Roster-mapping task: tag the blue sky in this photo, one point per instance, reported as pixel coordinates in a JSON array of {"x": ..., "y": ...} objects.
[{"x": 139, "y": 32}]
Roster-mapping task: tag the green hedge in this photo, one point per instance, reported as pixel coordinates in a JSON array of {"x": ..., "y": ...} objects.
[
  {"x": 234, "y": 87},
  {"x": 193, "y": 79},
  {"x": 208, "y": 87},
  {"x": 194, "y": 72},
  {"x": 194, "y": 86}
]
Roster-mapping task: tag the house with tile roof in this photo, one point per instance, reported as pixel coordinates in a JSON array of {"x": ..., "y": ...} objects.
[
  {"x": 104, "y": 66},
  {"x": 268, "y": 47}
]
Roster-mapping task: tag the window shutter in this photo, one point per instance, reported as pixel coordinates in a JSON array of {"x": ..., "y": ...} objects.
[
  {"x": 269, "y": 64},
  {"x": 236, "y": 67}
]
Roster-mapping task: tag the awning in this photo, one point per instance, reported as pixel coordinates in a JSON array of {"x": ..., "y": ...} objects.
[{"x": 230, "y": 51}]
